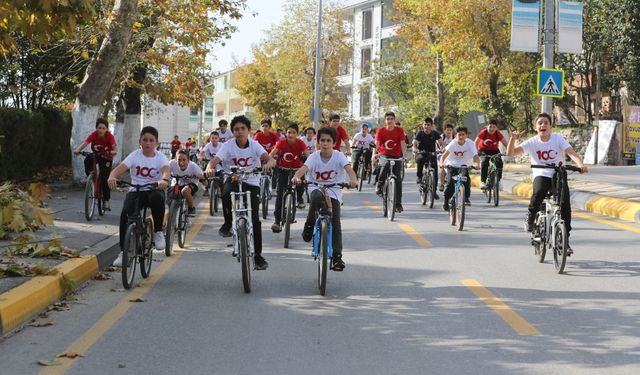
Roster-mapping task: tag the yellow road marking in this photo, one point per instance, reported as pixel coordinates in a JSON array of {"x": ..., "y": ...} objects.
[
  {"x": 515, "y": 321},
  {"x": 102, "y": 326},
  {"x": 372, "y": 206},
  {"x": 420, "y": 239}
]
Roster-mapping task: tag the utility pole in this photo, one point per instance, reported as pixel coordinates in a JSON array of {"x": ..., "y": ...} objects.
[
  {"x": 549, "y": 43},
  {"x": 316, "y": 95}
]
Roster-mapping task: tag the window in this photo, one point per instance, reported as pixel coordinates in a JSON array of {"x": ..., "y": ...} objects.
[
  {"x": 387, "y": 12},
  {"x": 365, "y": 62},
  {"x": 344, "y": 67},
  {"x": 365, "y": 101},
  {"x": 220, "y": 84},
  {"x": 367, "y": 20}
]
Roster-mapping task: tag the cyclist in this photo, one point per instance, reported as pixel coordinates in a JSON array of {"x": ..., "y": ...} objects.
[
  {"x": 362, "y": 145},
  {"x": 223, "y": 132},
  {"x": 192, "y": 147},
  {"x": 424, "y": 143},
  {"x": 103, "y": 144},
  {"x": 209, "y": 151},
  {"x": 342, "y": 135},
  {"x": 243, "y": 152},
  {"x": 289, "y": 152},
  {"x": 390, "y": 143},
  {"x": 446, "y": 137},
  {"x": 459, "y": 152},
  {"x": 545, "y": 148},
  {"x": 326, "y": 166},
  {"x": 146, "y": 165},
  {"x": 182, "y": 166},
  {"x": 267, "y": 137},
  {"x": 309, "y": 138},
  {"x": 488, "y": 143},
  {"x": 175, "y": 146}
]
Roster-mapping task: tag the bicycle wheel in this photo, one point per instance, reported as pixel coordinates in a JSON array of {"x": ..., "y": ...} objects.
[
  {"x": 539, "y": 237},
  {"x": 218, "y": 198},
  {"x": 243, "y": 244},
  {"x": 146, "y": 258},
  {"x": 560, "y": 246},
  {"x": 431, "y": 187},
  {"x": 362, "y": 171},
  {"x": 369, "y": 173},
  {"x": 287, "y": 210},
  {"x": 460, "y": 210},
  {"x": 385, "y": 190},
  {"x": 170, "y": 232},
  {"x": 212, "y": 198},
  {"x": 487, "y": 187},
  {"x": 264, "y": 199},
  {"x": 452, "y": 211},
  {"x": 129, "y": 256},
  {"x": 402, "y": 170},
  {"x": 423, "y": 192},
  {"x": 496, "y": 191},
  {"x": 391, "y": 199},
  {"x": 182, "y": 224},
  {"x": 323, "y": 248},
  {"x": 89, "y": 198}
]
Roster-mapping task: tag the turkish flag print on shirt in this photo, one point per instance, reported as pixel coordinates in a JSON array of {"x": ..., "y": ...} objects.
[
  {"x": 268, "y": 141},
  {"x": 290, "y": 154},
  {"x": 102, "y": 144},
  {"x": 390, "y": 141}
]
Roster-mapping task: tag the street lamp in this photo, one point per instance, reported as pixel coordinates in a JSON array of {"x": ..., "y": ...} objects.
[{"x": 316, "y": 95}]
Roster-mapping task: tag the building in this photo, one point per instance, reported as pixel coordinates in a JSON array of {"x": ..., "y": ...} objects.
[
  {"x": 227, "y": 103},
  {"x": 373, "y": 36}
]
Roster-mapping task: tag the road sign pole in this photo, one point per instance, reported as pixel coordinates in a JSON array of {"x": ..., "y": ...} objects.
[
  {"x": 316, "y": 94},
  {"x": 549, "y": 34}
]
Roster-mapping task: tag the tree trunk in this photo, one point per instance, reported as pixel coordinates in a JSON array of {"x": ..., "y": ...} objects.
[
  {"x": 439, "y": 116},
  {"x": 99, "y": 76},
  {"x": 132, "y": 101}
]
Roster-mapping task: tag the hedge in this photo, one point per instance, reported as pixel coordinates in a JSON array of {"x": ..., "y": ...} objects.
[{"x": 34, "y": 141}]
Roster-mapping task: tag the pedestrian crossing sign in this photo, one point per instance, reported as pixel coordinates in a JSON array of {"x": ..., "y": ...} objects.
[{"x": 551, "y": 83}]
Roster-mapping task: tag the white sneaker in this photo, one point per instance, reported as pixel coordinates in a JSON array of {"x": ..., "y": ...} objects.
[
  {"x": 118, "y": 261},
  {"x": 158, "y": 240}
]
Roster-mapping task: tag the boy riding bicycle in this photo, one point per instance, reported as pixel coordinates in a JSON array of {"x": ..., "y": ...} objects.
[
  {"x": 488, "y": 144},
  {"x": 390, "y": 143},
  {"x": 182, "y": 166},
  {"x": 460, "y": 152},
  {"x": 424, "y": 148},
  {"x": 326, "y": 166},
  {"x": 362, "y": 146}
]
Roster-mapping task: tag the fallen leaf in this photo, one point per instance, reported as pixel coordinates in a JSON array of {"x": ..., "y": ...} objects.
[
  {"x": 43, "y": 315},
  {"x": 58, "y": 306},
  {"x": 113, "y": 269},
  {"x": 41, "y": 324},
  {"x": 102, "y": 276},
  {"x": 69, "y": 355},
  {"x": 49, "y": 363},
  {"x": 138, "y": 300},
  {"x": 117, "y": 290}
]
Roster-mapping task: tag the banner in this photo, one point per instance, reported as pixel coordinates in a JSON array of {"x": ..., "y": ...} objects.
[
  {"x": 525, "y": 25},
  {"x": 208, "y": 112},
  {"x": 606, "y": 130},
  {"x": 631, "y": 136},
  {"x": 570, "y": 27}
]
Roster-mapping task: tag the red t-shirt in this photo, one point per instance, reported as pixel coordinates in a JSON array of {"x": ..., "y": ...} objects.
[
  {"x": 489, "y": 142},
  {"x": 342, "y": 136},
  {"x": 291, "y": 154},
  {"x": 268, "y": 141},
  {"x": 102, "y": 144},
  {"x": 390, "y": 141},
  {"x": 175, "y": 144}
]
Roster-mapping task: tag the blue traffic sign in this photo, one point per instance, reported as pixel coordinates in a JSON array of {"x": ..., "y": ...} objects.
[{"x": 550, "y": 83}]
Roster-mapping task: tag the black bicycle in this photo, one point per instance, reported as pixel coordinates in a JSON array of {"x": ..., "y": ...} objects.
[
  {"x": 215, "y": 193},
  {"x": 288, "y": 214},
  {"x": 364, "y": 168},
  {"x": 427, "y": 187},
  {"x": 389, "y": 204},
  {"x": 178, "y": 218},
  {"x": 138, "y": 240},
  {"x": 492, "y": 184}
]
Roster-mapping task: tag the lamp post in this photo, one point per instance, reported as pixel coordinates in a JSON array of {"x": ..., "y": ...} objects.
[
  {"x": 549, "y": 33},
  {"x": 316, "y": 95},
  {"x": 201, "y": 122}
]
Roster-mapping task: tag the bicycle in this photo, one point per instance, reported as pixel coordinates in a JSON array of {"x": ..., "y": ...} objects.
[
  {"x": 138, "y": 241},
  {"x": 389, "y": 204},
  {"x": 178, "y": 218},
  {"x": 288, "y": 205},
  {"x": 265, "y": 193},
  {"x": 492, "y": 184},
  {"x": 457, "y": 203},
  {"x": 427, "y": 187},
  {"x": 323, "y": 236},
  {"x": 549, "y": 231},
  {"x": 215, "y": 194},
  {"x": 93, "y": 188},
  {"x": 242, "y": 227}
]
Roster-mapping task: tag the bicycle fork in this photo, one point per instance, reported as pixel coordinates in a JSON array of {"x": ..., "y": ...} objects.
[
  {"x": 240, "y": 199},
  {"x": 316, "y": 238}
]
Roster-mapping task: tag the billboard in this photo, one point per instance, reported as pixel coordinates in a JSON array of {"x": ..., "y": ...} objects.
[
  {"x": 570, "y": 27},
  {"x": 525, "y": 25},
  {"x": 631, "y": 135}
]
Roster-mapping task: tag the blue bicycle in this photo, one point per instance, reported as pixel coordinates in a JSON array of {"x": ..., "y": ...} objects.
[
  {"x": 457, "y": 203},
  {"x": 322, "y": 236}
]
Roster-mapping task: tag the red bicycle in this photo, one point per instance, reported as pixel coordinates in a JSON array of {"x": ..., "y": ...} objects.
[{"x": 93, "y": 188}]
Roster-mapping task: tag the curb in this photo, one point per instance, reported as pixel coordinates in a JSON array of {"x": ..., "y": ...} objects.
[
  {"x": 19, "y": 304},
  {"x": 624, "y": 209}
]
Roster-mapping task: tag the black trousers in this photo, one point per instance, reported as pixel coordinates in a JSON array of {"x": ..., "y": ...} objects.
[
  {"x": 484, "y": 167},
  {"x": 229, "y": 187},
  {"x": 356, "y": 157},
  {"x": 284, "y": 177},
  {"x": 153, "y": 199},
  {"x": 104, "y": 167},
  {"x": 316, "y": 202},
  {"x": 541, "y": 187},
  {"x": 451, "y": 182},
  {"x": 384, "y": 172},
  {"x": 422, "y": 159}
]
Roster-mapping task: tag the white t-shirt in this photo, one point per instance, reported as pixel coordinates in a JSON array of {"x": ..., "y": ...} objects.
[
  {"x": 460, "y": 155},
  {"x": 327, "y": 172},
  {"x": 552, "y": 151},
  {"x": 193, "y": 149},
  {"x": 224, "y": 137},
  {"x": 361, "y": 141},
  {"x": 143, "y": 169},
  {"x": 191, "y": 170},
  {"x": 311, "y": 144},
  {"x": 232, "y": 155},
  {"x": 210, "y": 150}
]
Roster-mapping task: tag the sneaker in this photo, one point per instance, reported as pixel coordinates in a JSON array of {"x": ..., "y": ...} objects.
[
  {"x": 106, "y": 206},
  {"x": 260, "y": 263},
  {"x": 418, "y": 180},
  {"x": 191, "y": 211},
  {"x": 307, "y": 234},
  {"x": 436, "y": 197},
  {"x": 301, "y": 205},
  {"x": 158, "y": 240},
  {"x": 445, "y": 206},
  {"x": 337, "y": 264},
  {"x": 399, "y": 208},
  {"x": 275, "y": 228},
  {"x": 569, "y": 251},
  {"x": 118, "y": 261},
  {"x": 483, "y": 186},
  {"x": 441, "y": 187},
  {"x": 205, "y": 193},
  {"x": 379, "y": 193},
  {"x": 467, "y": 203},
  {"x": 225, "y": 230}
]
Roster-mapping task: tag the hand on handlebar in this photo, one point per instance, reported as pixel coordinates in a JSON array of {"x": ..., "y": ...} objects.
[
  {"x": 112, "y": 182},
  {"x": 296, "y": 180}
]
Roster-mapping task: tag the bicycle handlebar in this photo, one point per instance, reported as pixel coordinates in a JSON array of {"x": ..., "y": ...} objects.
[
  {"x": 339, "y": 184},
  {"x": 568, "y": 167},
  {"x": 87, "y": 153},
  {"x": 138, "y": 187}
]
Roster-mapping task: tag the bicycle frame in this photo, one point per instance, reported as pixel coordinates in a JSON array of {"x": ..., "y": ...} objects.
[
  {"x": 241, "y": 208},
  {"x": 461, "y": 178}
]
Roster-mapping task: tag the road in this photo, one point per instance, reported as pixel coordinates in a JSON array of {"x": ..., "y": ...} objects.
[{"x": 417, "y": 297}]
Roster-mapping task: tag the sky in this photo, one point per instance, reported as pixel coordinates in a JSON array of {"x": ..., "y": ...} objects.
[{"x": 251, "y": 29}]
